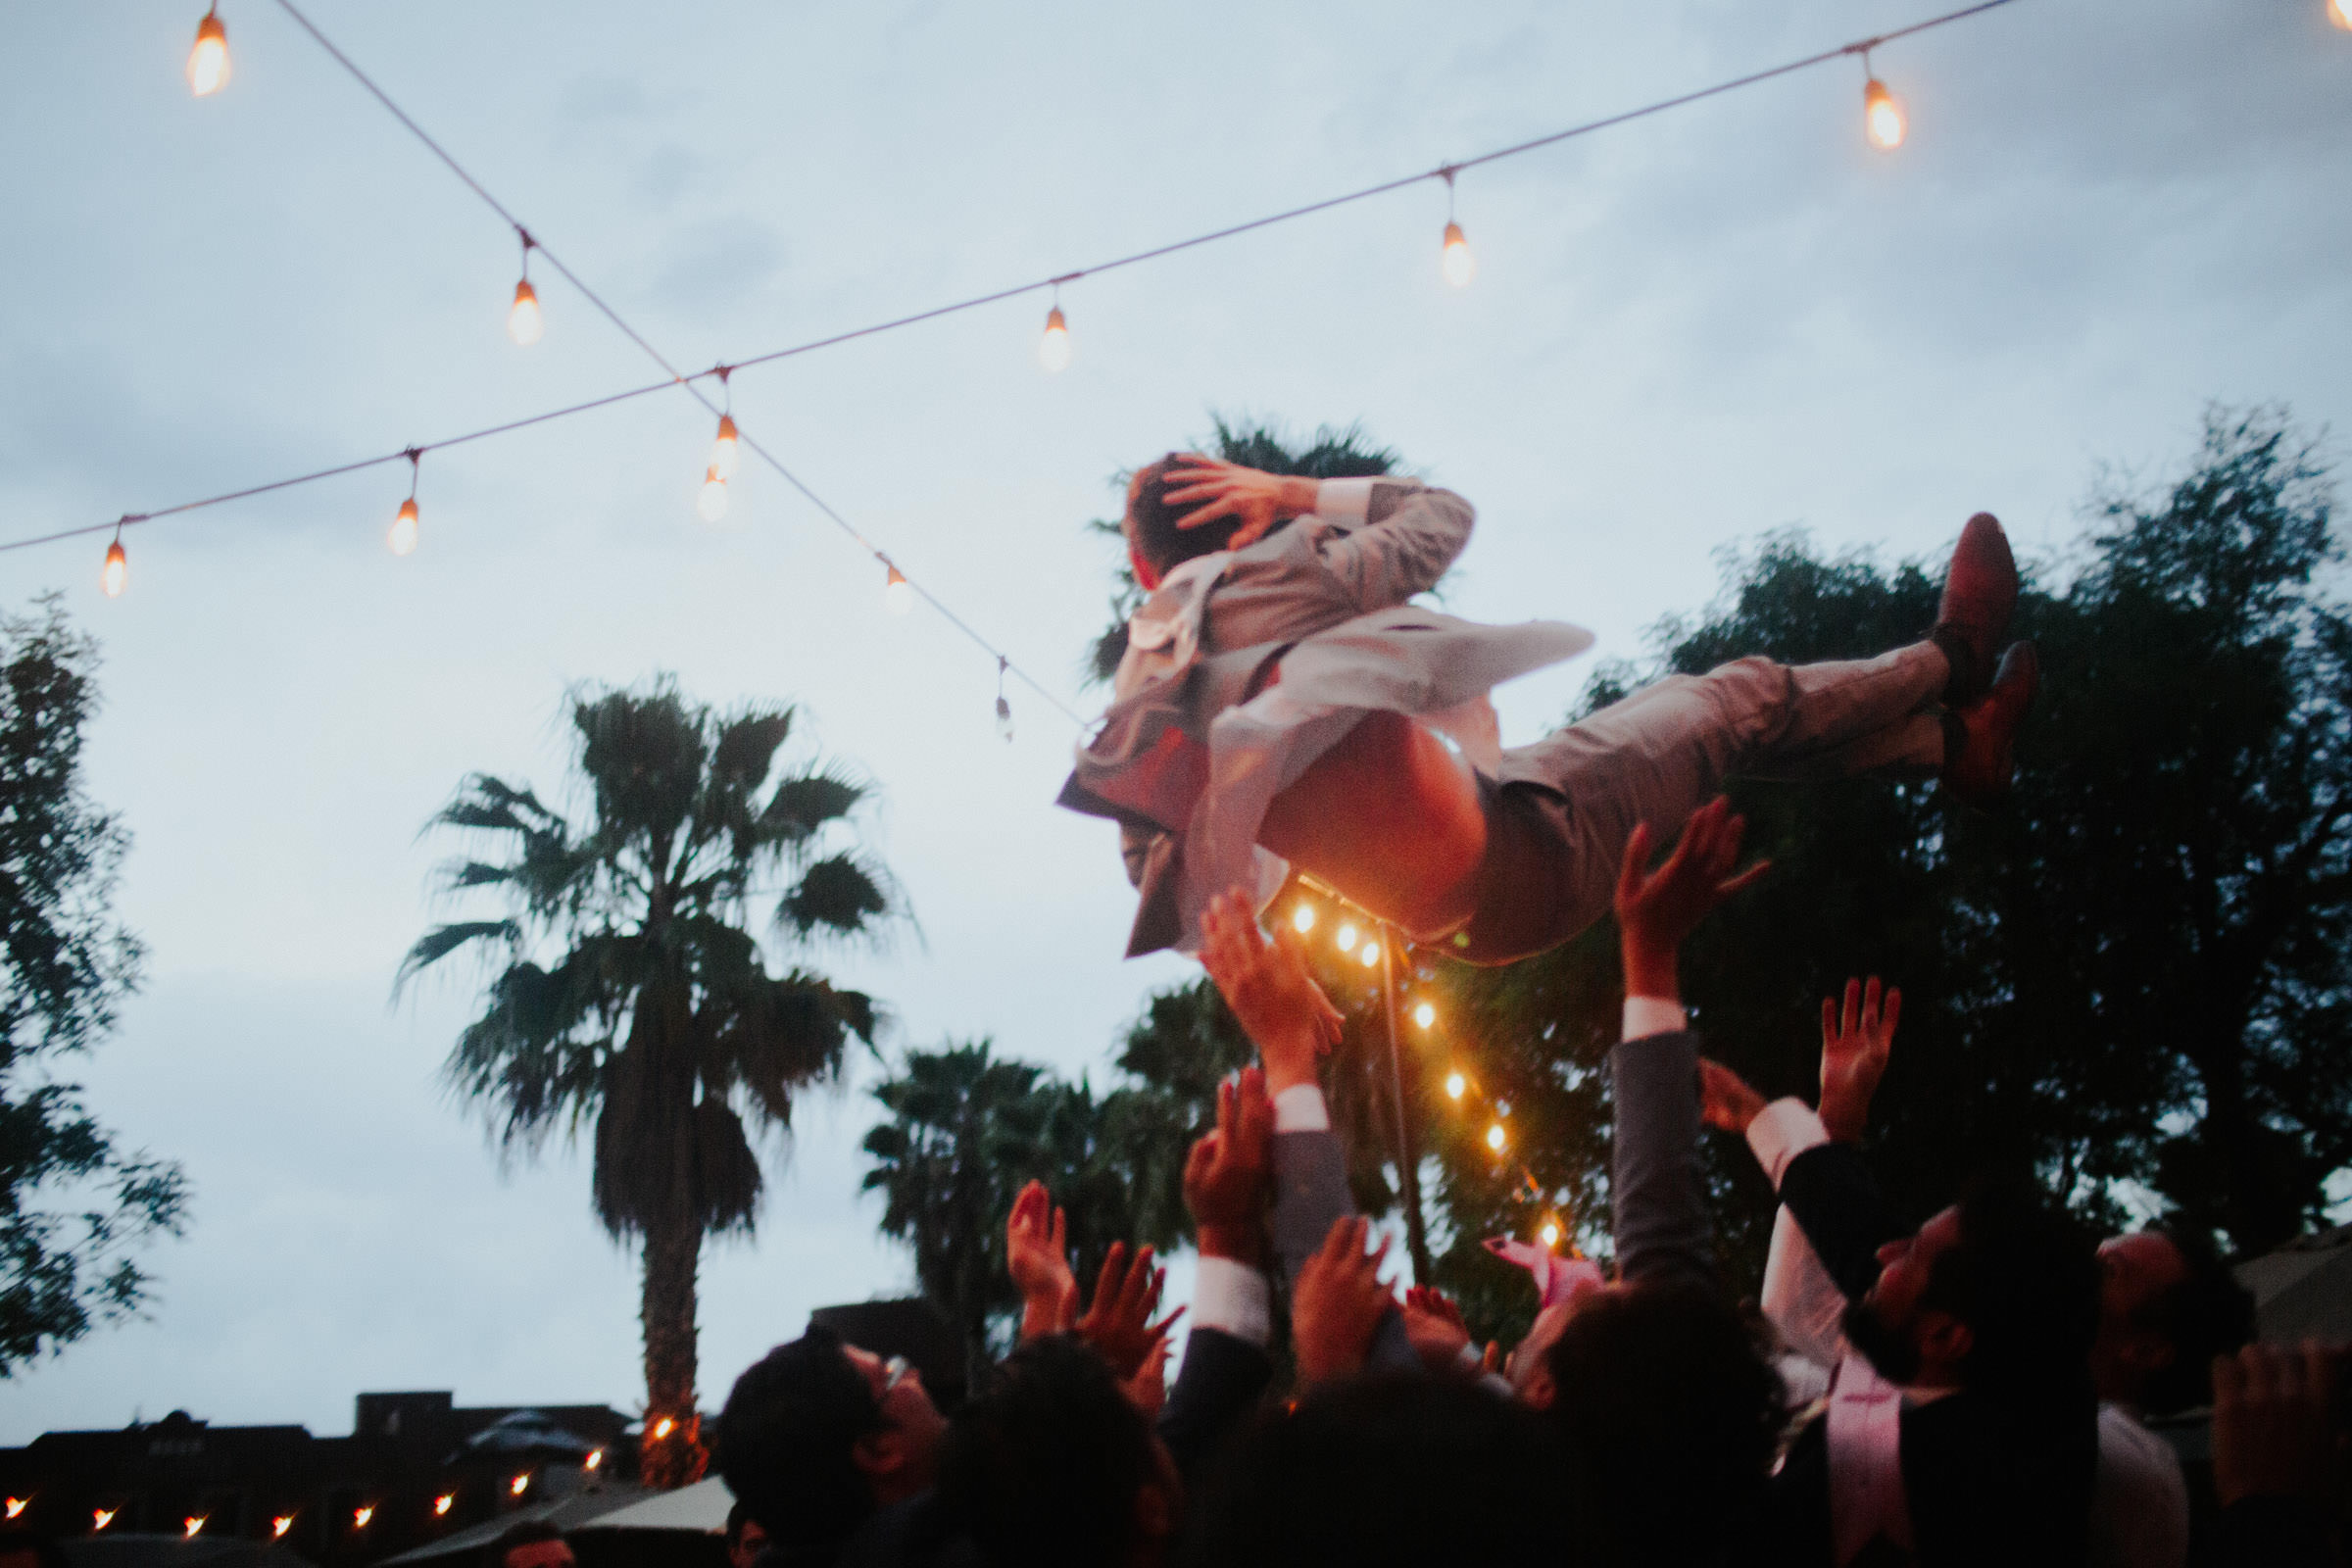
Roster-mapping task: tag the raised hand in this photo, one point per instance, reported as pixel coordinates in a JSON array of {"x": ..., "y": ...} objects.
[
  {"x": 1229, "y": 1169},
  {"x": 1267, "y": 984},
  {"x": 1338, "y": 1303},
  {"x": 1118, "y": 1324},
  {"x": 1725, "y": 1099},
  {"x": 2273, "y": 1416},
  {"x": 1037, "y": 1255},
  {"x": 1216, "y": 489},
  {"x": 1148, "y": 1390},
  {"x": 1853, "y": 1055},
  {"x": 1657, "y": 909},
  {"x": 1434, "y": 1325}
]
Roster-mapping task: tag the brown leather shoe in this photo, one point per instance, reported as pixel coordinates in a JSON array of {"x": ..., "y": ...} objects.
[
  {"x": 1972, "y": 620},
  {"x": 1980, "y": 766}
]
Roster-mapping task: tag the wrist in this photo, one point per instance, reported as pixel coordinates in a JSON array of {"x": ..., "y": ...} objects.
[
  {"x": 1290, "y": 1065},
  {"x": 1300, "y": 496},
  {"x": 1235, "y": 1240},
  {"x": 1650, "y": 972}
]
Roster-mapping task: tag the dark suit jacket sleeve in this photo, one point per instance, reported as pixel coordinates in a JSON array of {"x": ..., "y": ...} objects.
[
  {"x": 1831, "y": 1193},
  {"x": 1220, "y": 1382},
  {"x": 1658, "y": 1196},
  {"x": 1310, "y": 1195}
]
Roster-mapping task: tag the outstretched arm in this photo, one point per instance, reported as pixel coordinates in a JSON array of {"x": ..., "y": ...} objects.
[{"x": 1398, "y": 535}]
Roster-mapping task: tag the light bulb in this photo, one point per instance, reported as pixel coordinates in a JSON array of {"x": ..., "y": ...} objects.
[
  {"x": 100, "y": 1518},
  {"x": 1551, "y": 1234},
  {"x": 595, "y": 1459},
  {"x": 710, "y": 502},
  {"x": 193, "y": 1525},
  {"x": 361, "y": 1516},
  {"x": 663, "y": 1428},
  {"x": 208, "y": 62},
  {"x": 1344, "y": 937},
  {"x": 1883, "y": 115},
  {"x": 1425, "y": 1014},
  {"x": 280, "y": 1525},
  {"x": 1459, "y": 265},
  {"x": 521, "y": 1483},
  {"x": 402, "y": 537},
  {"x": 116, "y": 571},
  {"x": 16, "y": 1505},
  {"x": 441, "y": 1504},
  {"x": 1457, "y": 1086},
  {"x": 1494, "y": 1137},
  {"x": 722, "y": 448},
  {"x": 1303, "y": 918},
  {"x": 1370, "y": 955},
  {"x": 898, "y": 594},
  {"x": 2340, "y": 12},
  {"x": 1005, "y": 720},
  {"x": 1053, "y": 348},
  {"x": 524, "y": 323}
]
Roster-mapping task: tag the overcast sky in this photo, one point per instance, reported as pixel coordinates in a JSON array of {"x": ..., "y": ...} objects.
[{"x": 1682, "y": 333}]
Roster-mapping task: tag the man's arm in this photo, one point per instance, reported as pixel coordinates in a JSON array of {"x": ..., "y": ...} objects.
[
  {"x": 1226, "y": 1366},
  {"x": 1395, "y": 537}
]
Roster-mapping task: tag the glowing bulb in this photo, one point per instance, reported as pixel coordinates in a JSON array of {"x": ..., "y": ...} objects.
[
  {"x": 1004, "y": 721},
  {"x": 192, "y": 1524},
  {"x": 1344, "y": 937},
  {"x": 1883, "y": 115},
  {"x": 520, "y": 1485},
  {"x": 100, "y": 1518},
  {"x": 1303, "y": 918},
  {"x": 117, "y": 573},
  {"x": 361, "y": 1516},
  {"x": 1494, "y": 1137},
  {"x": 208, "y": 62},
  {"x": 16, "y": 1505},
  {"x": 1457, "y": 1086},
  {"x": 1459, "y": 265},
  {"x": 1053, "y": 348},
  {"x": 710, "y": 502},
  {"x": 1370, "y": 955},
  {"x": 663, "y": 1428},
  {"x": 524, "y": 323},
  {"x": 441, "y": 1504},
  {"x": 722, "y": 448},
  {"x": 898, "y": 594},
  {"x": 280, "y": 1525},
  {"x": 402, "y": 536},
  {"x": 2340, "y": 12},
  {"x": 595, "y": 1457},
  {"x": 1551, "y": 1234},
  {"x": 1425, "y": 1014}
]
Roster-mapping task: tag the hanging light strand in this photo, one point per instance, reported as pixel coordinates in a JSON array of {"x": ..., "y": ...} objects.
[{"x": 401, "y": 538}]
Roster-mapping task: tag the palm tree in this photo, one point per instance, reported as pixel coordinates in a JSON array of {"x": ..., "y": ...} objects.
[{"x": 631, "y": 995}]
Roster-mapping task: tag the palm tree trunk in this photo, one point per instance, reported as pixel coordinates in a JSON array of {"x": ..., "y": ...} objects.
[{"x": 671, "y": 1452}]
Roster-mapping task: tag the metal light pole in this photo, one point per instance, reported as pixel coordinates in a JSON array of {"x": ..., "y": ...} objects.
[{"x": 1408, "y": 1159}]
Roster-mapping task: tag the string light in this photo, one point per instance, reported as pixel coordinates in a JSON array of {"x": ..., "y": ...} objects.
[
  {"x": 524, "y": 323},
  {"x": 663, "y": 1428},
  {"x": 1344, "y": 937},
  {"x": 595, "y": 1459},
  {"x": 1454, "y": 258},
  {"x": 1003, "y": 707},
  {"x": 208, "y": 62},
  {"x": 1496, "y": 1136},
  {"x": 711, "y": 501},
  {"x": 16, "y": 1505},
  {"x": 723, "y": 445},
  {"x": 1457, "y": 1086},
  {"x": 192, "y": 1526},
  {"x": 100, "y": 1518},
  {"x": 361, "y": 1516},
  {"x": 280, "y": 1525},
  {"x": 1425, "y": 1014},
  {"x": 1883, "y": 120},
  {"x": 898, "y": 594},
  {"x": 441, "y": 1504},
  {"x": 1370, "y": 955},
  {"x": 401, "y": 537},
  {"x": 520, "y": 1485},
  {"x": 1550, "y": 1233},
  {"x": 115, "y": 575},
  {"x": 1053, "y": 348},
  {"x": 1303, "y": 918},
  {"x": 2340, "y": 12}
]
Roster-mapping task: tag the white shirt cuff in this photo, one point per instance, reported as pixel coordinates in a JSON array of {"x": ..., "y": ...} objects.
[
  {"x": 1300, "y": 1108},
  {"x": 1344, "y": 499},
  {"x": 1234, "y": 1298},
  {"x": 1781, "y": 1131},
  {"x": 1652, "y": 1015}
]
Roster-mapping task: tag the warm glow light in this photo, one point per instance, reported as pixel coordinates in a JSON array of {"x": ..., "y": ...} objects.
[
  {"x": 116, "y": 571},
  {"x": 1494, "y": 1137},
  {"x": 1053, "y": 348},
  {"x": 1457, "y": 1086},
  {"x": 16, "y": 1505},
  {"x": 100, "y": 1518},
  {"x": 710, "y": 502},
  {"x": 208, "y": 62},
  {"x": 1370, "y": 955},
  {"x": 282, "y": 1524},
  {"x": 2340, "y": 12},
  {"x": 722, "y": 448},
  {"x": 595, "y": 1457},
  {"x": 1425, "y": 1014},
  {"x": 402, "y": 537},
  {"x": 1303, "y": 918},
  {"x": 524, "y": 323},
  {"x": 1883, "y": 115},
  {"x": 663, "y": 1428},
  {"x": 898, "y": 594},
  {"x": 1551, "y": 1234},
  {"x": 361, "y": 1516},
  {"x": 193, "y": 1524},
  {"x": 442, "y": 1503},
  {"x": 1346, "y": 936},
  {"x": 1459, "y": 265},
  {"x": 521, "y": 1483}
]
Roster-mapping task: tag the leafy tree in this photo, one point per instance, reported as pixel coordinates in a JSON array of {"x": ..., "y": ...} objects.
[
  {"x": 631, "y": 997},
  {"x": 73, "y": 1207}
]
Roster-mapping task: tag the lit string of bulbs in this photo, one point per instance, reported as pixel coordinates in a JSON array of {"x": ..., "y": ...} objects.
[{"x": 1884, "y": 126}]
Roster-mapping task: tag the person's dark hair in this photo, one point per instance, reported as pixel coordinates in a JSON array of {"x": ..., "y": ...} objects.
[
  {"x": 521, "y": 1533},
  {"x": 43, "y": 1549},
  {"x": 1402, "y": 1470},
  {"x": 784, "y": 1441},
  {"x": 737, "y": 1517},
  {"x": 2025, "y": 1278},
  {"x": 2202, "y": 1315},
  {"x": 1152, "y": 521},
  {"x": 1669, "y": 1412},
  {"x": 1045, "y": 1468}
]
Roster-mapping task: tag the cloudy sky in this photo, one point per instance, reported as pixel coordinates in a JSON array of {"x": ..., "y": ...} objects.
[{"x": 1682, "y": 333}]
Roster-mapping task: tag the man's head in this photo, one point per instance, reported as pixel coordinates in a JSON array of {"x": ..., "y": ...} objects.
[
  {"x": 747, "y": 1538},
  {"x": 1669, "y": 1412},
  {"x": 2168, "y": 1306},
  {"x": 1156, "y": 545},
  {"x": 530, "y": 1544},
  {"x": 817, "y": 1434},
  {"x": 1054, "y": 1465},
  {"x": 1999, "y": 1291}
]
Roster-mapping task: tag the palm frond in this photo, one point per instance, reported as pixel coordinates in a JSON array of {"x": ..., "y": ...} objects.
[
  {"x": 840, "y": 894},
  {"x": 803, "y": 804},
  {"x": 745, "y": 750},
  {"x": 444, "y": 940}
]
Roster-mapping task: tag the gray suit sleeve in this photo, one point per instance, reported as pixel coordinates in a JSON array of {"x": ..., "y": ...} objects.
[
  {"x": 1310, "y": 1197},
  {"x": 1410, "y": 535},
  {"x": 1656, "y": 1193}
]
